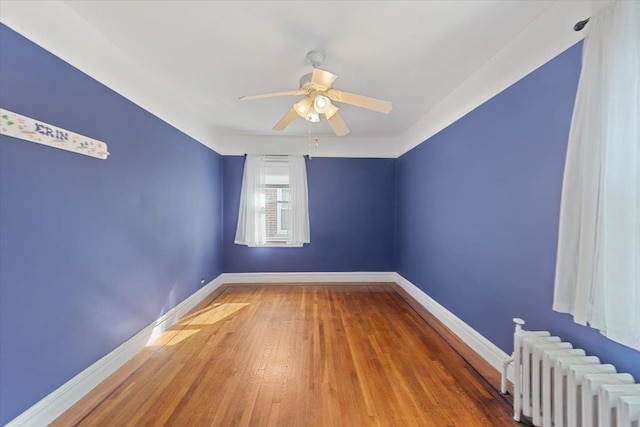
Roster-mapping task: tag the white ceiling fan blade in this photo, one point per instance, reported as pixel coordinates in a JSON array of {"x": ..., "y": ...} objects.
[
  {"x": 360, "y": 101},
  {"x": 274, "y": 95},
  {"x": 322, "y": 78},
  {"x": 338, "y": 125},
  {"x": 286, "y": 120}
]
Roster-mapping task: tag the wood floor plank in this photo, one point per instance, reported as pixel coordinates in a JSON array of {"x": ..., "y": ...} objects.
[{"x": 297, "y": 355}]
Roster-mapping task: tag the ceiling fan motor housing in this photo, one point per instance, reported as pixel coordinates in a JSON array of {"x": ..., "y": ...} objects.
[{"x": 305, "y": 81}]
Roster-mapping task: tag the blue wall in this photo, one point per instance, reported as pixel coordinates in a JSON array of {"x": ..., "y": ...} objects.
[
  {"x": 478, "y": 208},
  {"x": 91, "y": 250},
  {"x": 351, "y": 216}
]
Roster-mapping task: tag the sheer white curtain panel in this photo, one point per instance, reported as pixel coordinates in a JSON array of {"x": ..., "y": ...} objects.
[
  {"x": 299, "y": 201},
  {"x": 598, "y": 263},
  {"x": 251, "y": 228}
]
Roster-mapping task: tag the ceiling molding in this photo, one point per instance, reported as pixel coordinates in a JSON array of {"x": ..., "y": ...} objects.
[
  {"x": 59, "y": 29},
  {"x": 545, "y": 38}
]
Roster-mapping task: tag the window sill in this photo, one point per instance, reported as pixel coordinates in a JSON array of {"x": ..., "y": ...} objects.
[{"x": 275, "y": 245}]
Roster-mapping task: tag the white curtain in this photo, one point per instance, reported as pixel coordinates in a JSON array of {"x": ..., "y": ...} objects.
[
  {"x": 299, "y": 204},
  {"x": 598, "y": 264},
  {"x": 251, "y": 228},
  {"x": 252, "y": 218}
]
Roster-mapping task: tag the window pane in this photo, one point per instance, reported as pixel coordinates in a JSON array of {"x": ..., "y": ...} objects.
[
  {"x": 276, "y": 173},
  {"x": 283, "y": 195},
  {"x": 285, "y": 220},
  {"x": 277, "y": 195},
  {"x": 277, "y": 214}
]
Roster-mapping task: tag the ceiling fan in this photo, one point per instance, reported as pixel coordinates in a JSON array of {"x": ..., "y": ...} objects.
[{"x": 316, "y": 87}]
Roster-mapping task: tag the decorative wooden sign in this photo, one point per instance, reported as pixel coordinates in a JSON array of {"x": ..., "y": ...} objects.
[{"x": 17, "y": 126}]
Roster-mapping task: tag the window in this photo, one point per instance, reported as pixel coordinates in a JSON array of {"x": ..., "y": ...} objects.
[{"x": 273, "y": 205}]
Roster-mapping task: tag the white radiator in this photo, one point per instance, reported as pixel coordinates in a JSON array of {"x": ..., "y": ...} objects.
[{"x": 560, "y": 386}]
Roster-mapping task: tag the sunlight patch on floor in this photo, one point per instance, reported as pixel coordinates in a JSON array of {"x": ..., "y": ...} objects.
[
  {"x": 192, "y": 324},
  {"x": 173, "y": 337},
  {"x": 217, "y": 313}
]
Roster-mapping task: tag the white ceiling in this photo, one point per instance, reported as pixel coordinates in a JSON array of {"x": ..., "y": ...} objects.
[{"x": 189, "y": 61}]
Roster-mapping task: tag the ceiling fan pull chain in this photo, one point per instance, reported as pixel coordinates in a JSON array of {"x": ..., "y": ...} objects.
[{"x": 315, "y": 139}]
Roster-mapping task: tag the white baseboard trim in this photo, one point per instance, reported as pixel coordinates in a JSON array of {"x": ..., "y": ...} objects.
[
  {"x": 478, "y": 343},
  {"x": 61, "y": 399},
  {"x": 306, "y": 277}
]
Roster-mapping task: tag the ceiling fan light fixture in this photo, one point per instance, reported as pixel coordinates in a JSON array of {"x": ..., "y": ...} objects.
[
  {"x": 313, "y": 116},
  {"x": 321, "y": 104},
  {"x": 303, "y": 107}
]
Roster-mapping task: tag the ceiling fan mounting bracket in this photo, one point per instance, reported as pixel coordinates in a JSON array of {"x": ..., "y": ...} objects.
[{"x": 316, "y": 57}]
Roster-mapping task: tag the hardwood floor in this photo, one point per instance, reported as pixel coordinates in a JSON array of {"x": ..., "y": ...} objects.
[{"x": 303, "y": 355}]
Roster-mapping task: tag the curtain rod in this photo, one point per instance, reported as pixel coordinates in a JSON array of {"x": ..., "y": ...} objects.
[
  {"x": 306, "y": 156},
  {"x": 580, "y": 24}
]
